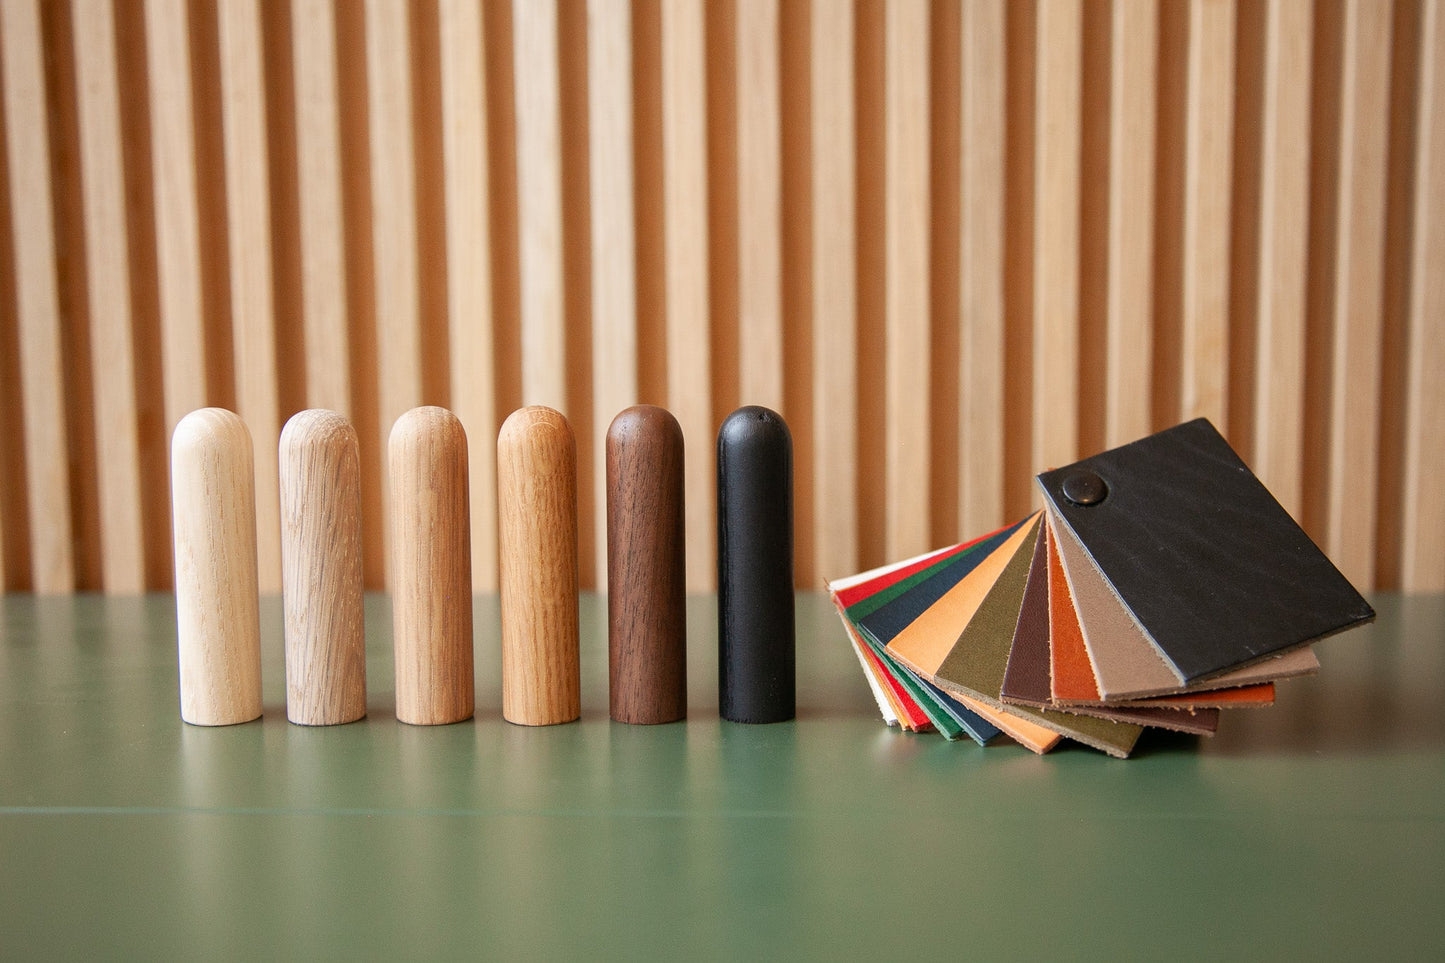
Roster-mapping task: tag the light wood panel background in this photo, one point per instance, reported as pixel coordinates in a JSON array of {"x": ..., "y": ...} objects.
[{"x": 954, "y": 243}]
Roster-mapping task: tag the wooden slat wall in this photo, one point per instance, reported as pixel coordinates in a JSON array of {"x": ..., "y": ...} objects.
[{"x": 954, "y": 242}]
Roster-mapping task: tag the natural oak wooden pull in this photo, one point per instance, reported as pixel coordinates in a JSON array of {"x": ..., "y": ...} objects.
[
  {"x": 646, "y": 589},
  {"x": 756, "y": 634},
  {"x": 320, "y": 477},
  {"x": 432, "y": 561},
  {"x": 218, "y": 621},
  {"x": 537, "y": 531}
]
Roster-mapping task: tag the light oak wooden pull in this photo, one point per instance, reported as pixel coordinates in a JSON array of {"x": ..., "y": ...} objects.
[
  {"x": 646, "y": 590},
  {"x": 432, "y": 560},
  {"x": 321, "y": 569},
  {"x": 218, "y": 621},
  {"x": 537, "y": 531}
]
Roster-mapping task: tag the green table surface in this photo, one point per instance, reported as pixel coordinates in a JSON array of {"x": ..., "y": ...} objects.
[{"x": 1313, "y": 829}]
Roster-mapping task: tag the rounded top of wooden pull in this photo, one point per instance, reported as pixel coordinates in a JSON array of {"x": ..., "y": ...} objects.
[
  {"x": 210, "y": 429},
  {"x": 533, "y": 419},
  {"x": 317, "y": 426},
  {"x": 427, "y": 422},
  {"x": 644, "y": 421},
  {"x": 752, "y": 424}
]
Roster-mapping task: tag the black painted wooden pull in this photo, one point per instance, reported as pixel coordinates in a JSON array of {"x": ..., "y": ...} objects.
[{"x": 756, "y": 634}]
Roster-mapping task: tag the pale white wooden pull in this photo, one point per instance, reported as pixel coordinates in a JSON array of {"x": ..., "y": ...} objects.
[{"x": 218, "y": 623}]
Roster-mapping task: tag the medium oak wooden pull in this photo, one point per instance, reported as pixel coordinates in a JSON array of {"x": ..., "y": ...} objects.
[
  {"x": 218, "y": 621},
  {"x": 537, "y": 532},
  {"x": 646, "y": 589},
  {"x": 432, "y": 559},
  {"x": 756, "y": 634},
  {"x": 320, "y": 478}
]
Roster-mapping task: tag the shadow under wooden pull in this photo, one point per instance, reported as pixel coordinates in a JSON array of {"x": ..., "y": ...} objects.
[
  {"x": 756, "y": 634},
  {"x": 218, "y": 622},
  {"x": 646, "y": 591},
  {"x": 320, "y": 478},
  {"x": 432, "y": 561},
  {"x": 537, "y": 532}
]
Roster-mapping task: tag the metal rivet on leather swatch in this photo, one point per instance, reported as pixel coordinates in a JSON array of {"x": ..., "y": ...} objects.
[{"x": 1085, "y": 488}]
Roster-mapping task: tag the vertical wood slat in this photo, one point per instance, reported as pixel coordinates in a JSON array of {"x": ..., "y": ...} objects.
[
  {"x": 1357, "y": 291},
  {"x": 1422, "y": 567},
  {"x": 1278, "y": 417},
  {"x": 614, "y": 243},
  {"x": 1055, "y": 281},
  {"x": 759, "y": 199},
  {"x": 539, "y": 203},
  {"x": 108, "y": 287},
  {"x": 32, "y": 228},
  {"x": 688, "y": 325},
  {"x": 469, "y": 269},
  {"x": 393, "y": 228},
  {"x": 253, "y": 316},
  {"x": 980, "y": 265},
  {"x": 1133, "y": 51},
  {"x": 177, "y": 209},
  {"x": 318, "y": 174},
  {"x": 906, "y": 312},
  {"x": 1204, "y": 318},
  {"x": 835, "y": 298}
]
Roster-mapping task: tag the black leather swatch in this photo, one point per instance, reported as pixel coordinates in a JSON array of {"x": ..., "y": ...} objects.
[
  {"x": 756, "y": 632},
  {"x": 1211, "y": 566}
]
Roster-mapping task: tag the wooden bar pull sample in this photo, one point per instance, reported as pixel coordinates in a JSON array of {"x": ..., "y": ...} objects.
[
  {"x": 646, "y": 591},
  {"x": 432, "y": 560},
  {"x": 218, "y": 621},
  {"x": 321, "y": 569},
  {"x": 756, "y": 634},
  {"x": 537, "y": 535}
]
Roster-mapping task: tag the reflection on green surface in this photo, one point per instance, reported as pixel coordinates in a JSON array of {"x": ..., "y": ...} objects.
[{"x": 1312, "y": 829}]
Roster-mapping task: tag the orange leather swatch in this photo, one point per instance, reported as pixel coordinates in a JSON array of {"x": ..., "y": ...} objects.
[{"x": 1072, "y": 677}]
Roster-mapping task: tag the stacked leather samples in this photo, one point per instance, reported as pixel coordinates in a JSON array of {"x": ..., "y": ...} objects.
[{"x": 1160, "y": 585}]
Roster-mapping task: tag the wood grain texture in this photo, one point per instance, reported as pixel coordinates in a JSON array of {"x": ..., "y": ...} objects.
[
  {"x": 614, "y": 235},
  {"x": 320, "y": 477},
  {"x": 537, "y": 528},
  {"x": 107, "y": 265},
  {"x": 539, "y": 203},
  {"x": 906, "y": 310},
  {"x": 646, "y": 568},
  {"x": 980, "y": 268},
  {"x": 37, "y": 302},
  {"x": 469, "y": 266},
  {"x": 1283, "y": 225},
  {"x": 318, "y": 176},
  {"x": 431, "y": 568},
  {"x": 218, "y": 621},
  {"x": 834, "y": 288},
  {"x": 759, "y": 200},
  {"x": 1422, "y": 550},
  {"x": 248, "y": 221},
  {"x": 1357, "y": 301},
  {"x": 177, "y": 208},
  {"x": 1055, "y": 266},
  {"x": 393, "y": 220},
  {"x": 1133, "y": 55},
  {"x": 685, "y": 256},
  {"x": 1204, "y": 315}
]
